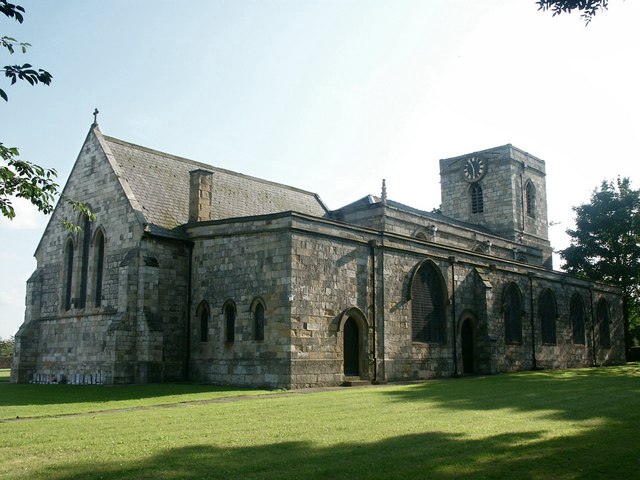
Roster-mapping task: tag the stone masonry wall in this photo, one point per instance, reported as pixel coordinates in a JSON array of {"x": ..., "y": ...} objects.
[
  {"x": 74, "y": 345},
  {"x": 478, "y": 294},
  {"x": 405, "y": 359},
  {"x": 475, "y": 288},
  {"x": 161, "y": 312},
  {"x": 331, "y": 275},
  {"x": 240, "y": 263}
]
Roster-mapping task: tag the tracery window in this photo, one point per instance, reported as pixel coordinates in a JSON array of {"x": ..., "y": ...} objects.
[
  {"x": 512, "y": 314},
  {"x": 547, "y": 312},
  {"x": 428, "y": 298},
  {"x": 477, "y": 203},
  {"x": 577, "y": 314}
]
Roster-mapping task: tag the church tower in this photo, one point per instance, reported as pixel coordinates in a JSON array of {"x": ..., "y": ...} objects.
[{"x": 502, "y": 189}]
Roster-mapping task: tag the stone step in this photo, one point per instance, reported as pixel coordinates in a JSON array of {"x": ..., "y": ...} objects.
[{"x": 355, "y": 382}]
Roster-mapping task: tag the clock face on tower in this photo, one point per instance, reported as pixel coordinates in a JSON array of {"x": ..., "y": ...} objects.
[{"x": 474, "y": 169}]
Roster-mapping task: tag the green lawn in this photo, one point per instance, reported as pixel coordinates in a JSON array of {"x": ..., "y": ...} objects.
[
  {"x": 4, "y": 374},
  {"x": 560, "y": 425}
]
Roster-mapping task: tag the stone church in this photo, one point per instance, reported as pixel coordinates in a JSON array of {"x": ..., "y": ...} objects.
[{"x": 192, "y": 272}]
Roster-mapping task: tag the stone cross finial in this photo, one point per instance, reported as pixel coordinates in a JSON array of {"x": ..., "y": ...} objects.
[{"x": 95, "y": 116}]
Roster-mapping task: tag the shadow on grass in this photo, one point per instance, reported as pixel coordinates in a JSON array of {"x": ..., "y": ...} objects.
[
  {"x": 606, "y": 447},
  {"x": 431, "y": 455},
  {"x": 26, "y": 394},
  {"x": 565, "y": 395}
]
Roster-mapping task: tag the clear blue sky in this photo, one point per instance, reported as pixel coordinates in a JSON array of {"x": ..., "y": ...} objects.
[{"x": 330, "y": 96}]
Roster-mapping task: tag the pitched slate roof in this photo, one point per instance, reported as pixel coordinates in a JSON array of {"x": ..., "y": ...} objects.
[
  {"x": 369, "y": 200},
  {"x": 159, "y": 185}
]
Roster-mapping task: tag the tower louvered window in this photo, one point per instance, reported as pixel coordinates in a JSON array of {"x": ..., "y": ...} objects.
[
  {"x": 427, "y": 306},
  {"x": 477, "y": 203},
  {"x": 530, "y": 194}
]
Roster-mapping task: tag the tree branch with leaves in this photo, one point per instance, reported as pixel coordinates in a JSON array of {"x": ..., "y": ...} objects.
[
  {"x": 588, "y": 8},
  {"x": 20, "y": 178}
]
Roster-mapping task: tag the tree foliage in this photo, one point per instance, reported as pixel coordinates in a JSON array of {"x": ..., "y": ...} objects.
[
  {"x": 588, "y": 8},
  {"x": 20, "y": 178},
  {"x": 7, "y": 346},
  {"x": 26, "y": 71},
  {"x": 605, "y": 245}
]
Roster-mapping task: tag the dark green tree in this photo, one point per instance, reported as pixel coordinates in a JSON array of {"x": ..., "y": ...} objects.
[
  {"x": 588, "y": 8},
  {"x": 7, "y": 346},
  {"x": 605, "y": 245}
]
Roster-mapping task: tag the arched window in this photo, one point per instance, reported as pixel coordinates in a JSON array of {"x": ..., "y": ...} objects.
[
  {"x": 577, "y": 314},
  {"x": 258, "y": 321},
  {"x": 512, "y": 311},
  {"x": 603, "y": 323},
  {"x": 477, "y": 203},
  {"x": 202, "y": 312},
  {"x": 547, "y": 312},
  {"x": 84, "y": 266},
  {"x": 99, "y": 265},
  {"x": 68, "y": 274},
  {"x": 428, "y": 305},
  {"x": 530, "y": 197},
  {"x": 230, "y": 322}
]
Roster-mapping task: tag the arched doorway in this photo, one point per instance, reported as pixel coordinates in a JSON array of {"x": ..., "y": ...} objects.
[
  {"x": 351, "y": 350},
  {"x": 466, "y": 339}
]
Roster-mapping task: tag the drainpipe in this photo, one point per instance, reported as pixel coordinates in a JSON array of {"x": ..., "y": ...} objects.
[
  {"x": 534, "y": 365},
  {"x": 372, "y": 250},
  {"x": 452, "y": 262}
]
